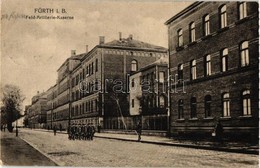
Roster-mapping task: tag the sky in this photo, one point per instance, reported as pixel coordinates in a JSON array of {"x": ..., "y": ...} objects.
[{"x": 33, "y": 49}]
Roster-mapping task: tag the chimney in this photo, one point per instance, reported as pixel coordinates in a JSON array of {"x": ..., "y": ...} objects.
[
  {"x": 73, "y": 52},
  {"x": 120, "y": 36},
  {"x": 86, "y": 48},
  {"x": 101, "y": 39},
  {"x": 131, "y": 37}
]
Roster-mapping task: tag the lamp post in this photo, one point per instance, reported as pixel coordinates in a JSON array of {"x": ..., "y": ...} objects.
[{"x": 16, "y": 130}]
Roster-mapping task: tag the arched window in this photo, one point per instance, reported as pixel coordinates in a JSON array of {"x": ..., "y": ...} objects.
[
  {"x": 208, "y": 65},
  {"x": 226, "y": 105},
  {"x": 180, "y": 38},
  {"x": 206, "y": 24},
  {"x": 223, "y": 16},
  {"x": 246, "y": 102},
  {"x": 134, "y": 65},
  {"x": 224, "y": 60},
  {"x": 244, "y": 54},
  {"x": 207, "y": 106},
  {"x": 193, "y": 70},
  {"x": 192, "y": 32},
  {"x": 180, "y": 109},
  {"x": 242, "y": 10},
  {"x": 180, "y": 72},
  {"x": 193, "y": 107},
  {"x": 162, "y": 101}
]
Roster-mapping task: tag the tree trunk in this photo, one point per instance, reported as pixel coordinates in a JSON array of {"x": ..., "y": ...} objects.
[{"x": 10, "y": 127}]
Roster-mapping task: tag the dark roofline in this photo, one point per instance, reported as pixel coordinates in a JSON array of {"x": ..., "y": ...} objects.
[
  {"x": 185, "y": 10},
  {"x": 153, "y": 65},
  {"x": 134, "y": 48}
]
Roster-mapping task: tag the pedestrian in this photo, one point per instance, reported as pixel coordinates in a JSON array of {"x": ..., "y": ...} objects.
[
  {"x": 54, "y": 130},
  {"x": 139, "y": 131},
  {"x": 93, "y": 130},
  {"x": 218, "y": 130},
  {"x": 99, "y": 128},
  {"x": 89, "y": 132}
]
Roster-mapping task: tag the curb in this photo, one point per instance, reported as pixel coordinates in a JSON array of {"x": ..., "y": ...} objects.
[
  {"x": 39, "y": 151},
  {"x": 244, "y": 151}
]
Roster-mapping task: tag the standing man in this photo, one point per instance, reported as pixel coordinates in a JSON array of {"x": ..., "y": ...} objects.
[
  {"x": 99, "y": 128},
  {"x": 219, "y": 132},
  {"x": 139, "y": 131},
  {"x": 54, "y": 130},
  {"x": 93, "y": 130}
]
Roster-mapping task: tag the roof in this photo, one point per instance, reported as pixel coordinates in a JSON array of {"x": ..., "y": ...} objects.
[
  {"x": 75, "y": 57},
  {"x": 163, "y": 61},
  {"x": 185, "y": 10},
  {"x": 133, "y": 44}
]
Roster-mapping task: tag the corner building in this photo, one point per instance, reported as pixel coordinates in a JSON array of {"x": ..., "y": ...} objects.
[{"x": 214, "y": 57}]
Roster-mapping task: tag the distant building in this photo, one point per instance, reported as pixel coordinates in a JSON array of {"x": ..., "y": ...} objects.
[
  {"x": 37, "y": 111},
  {"x": 26, "y": 115},
  {"x": 214, "y": 49}
]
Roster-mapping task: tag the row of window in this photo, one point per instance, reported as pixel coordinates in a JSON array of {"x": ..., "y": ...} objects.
[
  {"x": 206, "y": 23},
  {"x": 245, "y": 98},
  {"x": 85, "y": 89},
  {"x": 89, "y": 106},
  {"x": 244, "y": 61},
  {"x": 88, "y": 72}
]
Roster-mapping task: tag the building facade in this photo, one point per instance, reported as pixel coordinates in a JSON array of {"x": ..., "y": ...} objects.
[
  {"x": 149, "y": 96},
  {"x": 213, "y": 63},
  {"x": 85, "y": 89},
  {"x": 37, "y": 112}
]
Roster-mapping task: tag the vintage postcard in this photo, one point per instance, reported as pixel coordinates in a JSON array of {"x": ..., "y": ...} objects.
[{"x": 120, "y": 83}]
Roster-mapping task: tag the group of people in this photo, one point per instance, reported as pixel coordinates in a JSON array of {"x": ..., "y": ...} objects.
[{"x": 81, "y": 132}]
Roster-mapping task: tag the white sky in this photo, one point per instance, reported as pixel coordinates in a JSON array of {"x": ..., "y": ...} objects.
[{"x": 33, "y": 50}]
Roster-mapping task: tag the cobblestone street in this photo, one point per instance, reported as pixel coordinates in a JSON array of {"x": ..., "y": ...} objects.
[{"x": 107, "y": 152}]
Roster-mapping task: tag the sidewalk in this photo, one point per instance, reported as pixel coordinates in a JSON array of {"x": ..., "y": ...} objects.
[
  {"x": 16, "y": 152},
  {"x": 228, "y": 147}
]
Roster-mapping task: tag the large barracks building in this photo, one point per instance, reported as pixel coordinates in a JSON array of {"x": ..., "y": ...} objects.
[
  {"x": 213, "y": 49},
  {"x": 82, "y": 93}
]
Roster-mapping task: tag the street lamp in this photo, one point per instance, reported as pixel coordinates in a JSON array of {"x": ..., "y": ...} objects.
[{"x": 16, "y": 131}]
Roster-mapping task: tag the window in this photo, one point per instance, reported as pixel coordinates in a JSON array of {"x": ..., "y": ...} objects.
[
  {"x": 180, "y": 72},
  {"x": 193, "y": 107},
  {"x": 246, "y": 103},
  {"x": 223, "y": 16},
  {"x": 226, "y": 105},
  {"x": 96, "y": 105},
  {"x": 206, "y": 26},
  {"x": 133, "y": 83},
  {"x": 134, "y": 65},
  {"x": 224, "y": 60},
  {"x": 96, "y": 65},
  {"x": 92, "y": 68},
  {"x": 87, "y": 71},
  {"x": 192, "y": 32},
  {"x": 133, "y": 103},
  {"x": 180, "y": 109},
  {"x": 162, "y": 102},
  {"x": 161, "y": 77},
  {"x": 208, "y": 65},
  {"x": 244, "y": 54},
  {"x": 207, "y": 106},
  {"x": 242, "y": 10},
  {"x": 180, "y": 38},
  {"x": 193, "y": 70}
]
